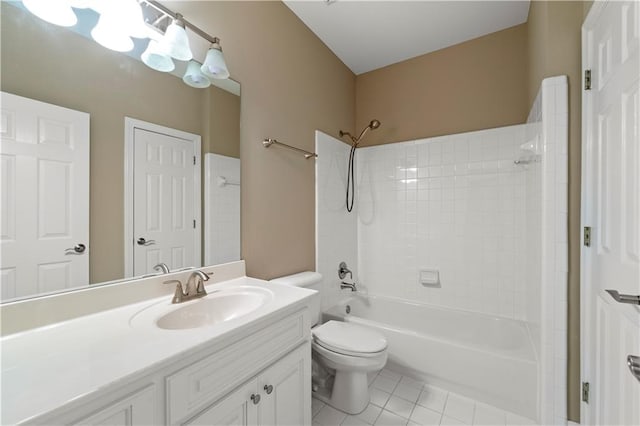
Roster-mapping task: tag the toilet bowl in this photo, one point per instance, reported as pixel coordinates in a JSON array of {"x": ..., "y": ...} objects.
[
  {"x": 349, "y": 350},
  {"x": 352, "y": 351}
]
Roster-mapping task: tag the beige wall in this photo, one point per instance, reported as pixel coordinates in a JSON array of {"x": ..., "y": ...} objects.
[
  {"x": 107, "y": 85},
  {"x": 478, "y": 84},
  {"x": 554, "y": 35},
  {"x": 292, "y": 84},
  {"x": 221, "y": 122}
]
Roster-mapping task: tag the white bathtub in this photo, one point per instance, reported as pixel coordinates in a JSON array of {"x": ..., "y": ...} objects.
[{"x": 487, "y": 358}]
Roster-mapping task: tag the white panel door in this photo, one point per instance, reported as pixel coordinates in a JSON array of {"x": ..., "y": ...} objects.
[
  {"x": 44, "y": 184},
  {"x": 611, "y": 207},
  {"x": 164, "y": 202}
]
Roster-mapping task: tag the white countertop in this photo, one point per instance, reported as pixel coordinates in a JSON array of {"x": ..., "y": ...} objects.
[{"x": 47, "y": 367}]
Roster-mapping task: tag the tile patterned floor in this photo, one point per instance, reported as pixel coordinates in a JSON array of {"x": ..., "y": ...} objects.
[{"x": 400, "y": 400}]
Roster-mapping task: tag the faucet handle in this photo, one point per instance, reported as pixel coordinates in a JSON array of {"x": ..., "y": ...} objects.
[{"x": 179, "y": 293}]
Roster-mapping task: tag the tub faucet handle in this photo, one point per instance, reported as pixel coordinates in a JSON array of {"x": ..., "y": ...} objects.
[{"x": 343, "y": 270}]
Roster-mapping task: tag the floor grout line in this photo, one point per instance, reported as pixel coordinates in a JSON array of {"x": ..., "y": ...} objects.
[{"x": 414, "y": 404}]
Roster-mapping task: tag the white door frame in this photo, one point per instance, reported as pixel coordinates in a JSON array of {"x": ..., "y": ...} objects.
[
  {"x": 586, "y": 200},
  {"x": 130, "y": 125}
]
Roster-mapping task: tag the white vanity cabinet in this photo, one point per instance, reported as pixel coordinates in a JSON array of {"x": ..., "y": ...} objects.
[
  {"x": 121, "y": 367},
  {"x": 133, "y": 410},
  {"x": 261, "y": 376},
  {"x": 279, "y": 395}
]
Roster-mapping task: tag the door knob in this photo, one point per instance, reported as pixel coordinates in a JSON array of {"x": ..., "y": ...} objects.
[
  {"x": 142, "y": 242},
  {"x": 268, "y": 389},
  {"x": 255, "y": 398},
  {"x": 633, "y": 362},
  {"x": 77, "y": 249},
  {"x": 624, "y": 298}
]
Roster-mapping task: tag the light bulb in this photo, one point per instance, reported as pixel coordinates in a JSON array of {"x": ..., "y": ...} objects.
[{"x": 176, "y": 42}]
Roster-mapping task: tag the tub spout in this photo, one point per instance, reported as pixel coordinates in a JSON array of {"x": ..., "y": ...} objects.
[{"x": 351, "y": 286}]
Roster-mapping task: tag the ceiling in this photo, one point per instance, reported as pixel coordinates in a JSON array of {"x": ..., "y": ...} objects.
[{"x": 367, "y": 35}]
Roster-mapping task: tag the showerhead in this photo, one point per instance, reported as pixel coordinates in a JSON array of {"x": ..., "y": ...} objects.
[{"x": 373, "y": 125}]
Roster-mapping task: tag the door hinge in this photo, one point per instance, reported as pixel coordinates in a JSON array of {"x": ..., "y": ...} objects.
[
  {"x": 194, "y": 160},
  {"x": 587, "y": 79},
  {"x": 585, "y": 392},
  {"x": 586, "y": 236},
  {"x": 194, "y": 224}
]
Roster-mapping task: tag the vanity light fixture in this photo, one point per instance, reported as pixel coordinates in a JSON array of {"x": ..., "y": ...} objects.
[
  {"x": 122, "y": 20},
  {"x": 54, "y": 12},
  {"x": 214, "y": 65},
  {"x": 194, "y": 76}
]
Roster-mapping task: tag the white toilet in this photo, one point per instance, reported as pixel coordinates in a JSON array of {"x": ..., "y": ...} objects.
[{"x": 350, "y": 350}]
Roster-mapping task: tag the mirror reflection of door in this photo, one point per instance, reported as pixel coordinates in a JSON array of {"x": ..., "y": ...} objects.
[
  {"x": 44, "y": 182},
  {"x": 165, "y": 214}
]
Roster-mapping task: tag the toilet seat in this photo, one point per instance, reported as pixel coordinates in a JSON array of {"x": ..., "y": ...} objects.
[{"x": 349, "y": 339}]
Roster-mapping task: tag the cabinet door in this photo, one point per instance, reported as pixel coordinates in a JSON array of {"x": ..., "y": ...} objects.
[
  {"x": 134, "y": 410},
  {"x": 237, "y": 409},
  {"x": 285, "y": 388}
]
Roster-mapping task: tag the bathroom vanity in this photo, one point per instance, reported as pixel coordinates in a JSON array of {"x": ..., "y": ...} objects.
[{"x": 240, "y": 355}]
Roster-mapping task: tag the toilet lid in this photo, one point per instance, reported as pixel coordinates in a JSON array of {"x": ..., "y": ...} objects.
[{"x": 345, "y": 337}]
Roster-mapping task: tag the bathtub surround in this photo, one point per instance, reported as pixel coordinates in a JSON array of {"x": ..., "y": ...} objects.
[
  {"x": 547, "y": 213},
  {"x": 336, "y": 230},
  {"x": 495, "y": 231},
  {"x": 453, "y": 203}
]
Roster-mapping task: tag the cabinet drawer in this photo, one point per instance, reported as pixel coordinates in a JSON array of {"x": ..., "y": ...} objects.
[{"x": 205, "y": 381}]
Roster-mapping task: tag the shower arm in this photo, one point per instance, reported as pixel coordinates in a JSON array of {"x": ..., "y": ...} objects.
[{"x": 374, "y": 124}]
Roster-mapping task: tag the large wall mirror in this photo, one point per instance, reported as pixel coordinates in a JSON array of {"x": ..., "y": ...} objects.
[{"x": 108, "y": 168}]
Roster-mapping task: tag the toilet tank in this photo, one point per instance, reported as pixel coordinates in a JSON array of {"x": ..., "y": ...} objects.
[{"x": 310, "y": 280}]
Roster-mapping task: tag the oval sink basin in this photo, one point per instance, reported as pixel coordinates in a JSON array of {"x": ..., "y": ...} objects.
[{"x": 211, "y": 309}]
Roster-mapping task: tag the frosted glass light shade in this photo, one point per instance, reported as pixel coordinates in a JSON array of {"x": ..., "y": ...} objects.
[
  {"x": 155, "y": 58},
  {"x": 194, "y": 77},
  {"x": 111, "y": 34},
  {"x": 214, "y": 65},
  {"x": 54, "y": 12},
  {"x": 130, "y": 13},
  {"x": 176, "y": 43}
]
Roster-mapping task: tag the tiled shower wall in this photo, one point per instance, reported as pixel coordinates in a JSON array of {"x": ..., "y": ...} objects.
[
  {"x": 222, "y": 209},
  {"x": 336, "y": 230},
  {"x": 454, "y": 204}
]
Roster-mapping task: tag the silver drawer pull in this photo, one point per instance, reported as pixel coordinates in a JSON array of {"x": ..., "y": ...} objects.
[
  {"x": 634, "y": 366},
  {"x": 77, "y": 249},
  {"x": 624, "y": 298},
  {"x": 255, "y": 398},
  {"x": 268, "y": 389}
]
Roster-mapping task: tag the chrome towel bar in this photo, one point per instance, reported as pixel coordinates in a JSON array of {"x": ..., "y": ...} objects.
[{"x": 268, "y": 142}]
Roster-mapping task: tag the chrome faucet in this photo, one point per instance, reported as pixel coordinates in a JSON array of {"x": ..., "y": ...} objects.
[
  {"x": 162, "y": 267},
  {"x": 182, "y": 294}
]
